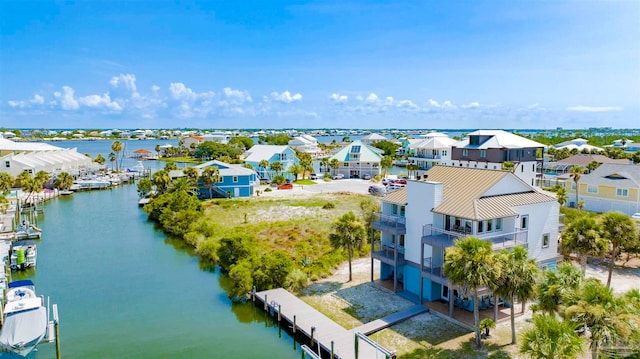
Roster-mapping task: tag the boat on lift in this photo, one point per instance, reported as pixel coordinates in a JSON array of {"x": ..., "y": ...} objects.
[
  {"x": 25, "y": 322},
  {"x": 24, "y": 255}
]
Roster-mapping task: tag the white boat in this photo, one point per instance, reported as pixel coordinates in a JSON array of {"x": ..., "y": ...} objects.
[
  {"x": 138, "y": 168},
  {"x": 27, "y": 231},
  {"x": 25, "y": 322},
  {"x": 24, "y": 254}
]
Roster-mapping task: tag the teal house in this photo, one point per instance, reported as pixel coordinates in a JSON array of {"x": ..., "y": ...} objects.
[{"x": 271, "y": 153}]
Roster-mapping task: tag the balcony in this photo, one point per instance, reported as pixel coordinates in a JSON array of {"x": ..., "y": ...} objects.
[
  {"x": 386, "y": 252},
  {"x": 433, "y": 271},
  {"x": 561, "y": 222},
  {"x": 442, "y": 238},
  {"x": 426, "y": 156},
  {"x": 389, "y": 223}
]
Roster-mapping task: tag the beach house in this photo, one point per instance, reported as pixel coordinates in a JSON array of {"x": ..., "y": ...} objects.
[
  {"x": 418, "y": 223},
  {"x": 357, "y": 160},
  {"x": 271, "y": 153},
  {"x": 235, "y": 181}
]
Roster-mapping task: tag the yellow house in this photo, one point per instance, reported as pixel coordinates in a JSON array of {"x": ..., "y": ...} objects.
[{"x": 610, "y": 187}]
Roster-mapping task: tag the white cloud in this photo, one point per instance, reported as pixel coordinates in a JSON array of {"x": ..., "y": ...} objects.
[
  {"x": 286, "y": 97},
  {"x": 337, "y": 98},
  {"x": 594, "y": 108},
  {"x": 433, "y": 103},
  {"x": 388, "y": 100},
  {"x": 471, "y": 105},
  {"x": 67, "y": 101},
  {"x": 181, "y": 92},
  {"x": 95, "y": 101},
  {"x": 155, "y": 89},
  {"x": 127, "y": 80},
  {"x": 407, "y": 104},
  {"x": 241, "y": 96},
  {"x": 18, "y": 104},
  {"x": 37, "y": 100},
  {"x": 448, "y": 104},
  {"x": 359, "y": 98},
  {"x": 372, "y": 98}
]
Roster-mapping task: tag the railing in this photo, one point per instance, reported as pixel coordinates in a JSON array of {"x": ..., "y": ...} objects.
[
  {"x": 427, "y": 156},
  {"x": 387, "y": 251},
  {"x": 385, "y": 222},
  {"x": 433, "y": 271},
  {"x": 444, "y": 238}
]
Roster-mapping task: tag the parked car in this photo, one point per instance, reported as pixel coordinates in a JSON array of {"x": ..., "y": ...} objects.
[
  {"x": 338, "y": 176},
  {"x": 286, "y": 186},
  {"x": 400, "y": 181},
  {"x": 316, "y": 176},
  {"x": 394, "y": 186},
  {"x": 366, "y": 177},
  {"x": 377, "y": 190},
  {"x": 636, "y": 216}
]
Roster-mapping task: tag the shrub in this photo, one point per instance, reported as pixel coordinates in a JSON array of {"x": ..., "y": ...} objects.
[
  {"x": 279, "y": 179},
  {"x": 232, "y": 250},
  {"x": 329, "y": 205},
  {"x": 267, "y": 189},
  {"x": 297, "y": 280}
]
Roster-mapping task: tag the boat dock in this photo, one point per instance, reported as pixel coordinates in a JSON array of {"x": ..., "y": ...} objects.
[{"x": 324, "y": 332}]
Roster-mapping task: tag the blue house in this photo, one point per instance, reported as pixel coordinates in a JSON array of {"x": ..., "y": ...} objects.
[
  {"x": 272, "y": 153},
  {"x": 235, "y": 181}
]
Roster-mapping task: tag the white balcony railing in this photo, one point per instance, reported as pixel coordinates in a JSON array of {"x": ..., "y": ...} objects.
[{"x": 499, "y": 240}]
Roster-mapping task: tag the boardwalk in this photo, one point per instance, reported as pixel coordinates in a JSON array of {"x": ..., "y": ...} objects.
[
  {"x": 326, "y": 330},
  {"x": 389, "y": 320}
]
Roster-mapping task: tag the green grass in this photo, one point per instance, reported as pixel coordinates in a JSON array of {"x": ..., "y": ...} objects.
[
  {"x": 305, "y": 181},
  {"x": 180, "y": 160}
]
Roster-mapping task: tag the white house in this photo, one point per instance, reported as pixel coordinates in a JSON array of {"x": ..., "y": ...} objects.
[
  {"x": 432, "y": 151},
  {"x": 418, "y": 223},
  {"x": 358, "y": 159},
  {"x": 372, "y": 138},
  {"x": 305, "y": 143},
  {"x": 579, "y": 144}
]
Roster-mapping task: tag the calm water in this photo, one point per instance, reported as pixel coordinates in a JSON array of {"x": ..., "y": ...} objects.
[{"x": 124, "y": 290}]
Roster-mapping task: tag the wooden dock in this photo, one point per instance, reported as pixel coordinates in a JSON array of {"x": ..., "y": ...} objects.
[{"x": 302, "y": 318}]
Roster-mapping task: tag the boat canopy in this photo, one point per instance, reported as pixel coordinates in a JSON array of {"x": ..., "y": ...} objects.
[
  {"x": 23, "y": 331},
  {"x": 21, "y": 283}
]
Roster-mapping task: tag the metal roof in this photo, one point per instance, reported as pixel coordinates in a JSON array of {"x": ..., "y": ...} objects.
[{"x": 397, "y": 197}]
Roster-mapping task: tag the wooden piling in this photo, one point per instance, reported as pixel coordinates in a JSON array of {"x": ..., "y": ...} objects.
[
  {"x": 331, "y": 357},
  {"x": 55, "y": 325},
  {"x": 279, "y": 311},
  {"x": 295, "y": 326},
  {"x": 265, "y": 303},
  {"x": 313, "y": 332}
]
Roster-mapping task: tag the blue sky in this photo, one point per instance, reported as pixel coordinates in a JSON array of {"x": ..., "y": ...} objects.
[{"x": 357, "y": 64}]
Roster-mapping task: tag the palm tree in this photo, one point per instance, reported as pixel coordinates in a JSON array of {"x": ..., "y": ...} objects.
[
  {"x": 517, "y": 279},
  {"x": 99, "y": 160},
  {"x": 306, "y": 162},
  {"x": 556, "y": 286},
  {"x": 602, "y": 314},
  {"x": 583, "y": 237},
  {"x": 551, "y": 338},
  {"x": 324, "y": 162},
  {"x": 386, "y": 162},
  {"x": 158, "y": 149},
  {"x": 575, "y": 172},
  {"x": 561, "y": 195},
  {"x": 210, "y": 176},
  {"x": 6, "y": 183},
  {"x": 42, "y": 177},
  {"x": 412, "y": 167},
  {"x": 620, "y": 231},
  {"x": 295, "y": 170},
  {"x": 63, "y": 181},
  {"x": 30, "y": 186},
  {"x": 593, "y": 165},
  {"x": 334, "y": 164},
  {"x": 112, "y": 159},
  {"x": 170, "y": 166},
  {"x": 161, "y": 180},
  {"x": 276, "y": 166},
  {"x": 23, "y": 177},
  {"x": 509, "y": 166},
  {"x": 471, "y": 265},
  {"x": 183, "y": 184},
  {"x": 348, "y": 234},
  {"x": 116, "y": 147},
  {"x": 191, "y": 174},
  {"x": 264, "y": 164}
]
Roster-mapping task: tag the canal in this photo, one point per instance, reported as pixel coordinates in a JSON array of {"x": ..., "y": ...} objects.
[{"x": 125, "y": 290}]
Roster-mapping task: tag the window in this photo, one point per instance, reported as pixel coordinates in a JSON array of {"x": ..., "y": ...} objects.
[
  {"x": 495, "y": 167},
  {"x": 235, "y": 179},
  {"x": 401, "y": 241},
  {"x": 545, "y": 240},
  {"x": 480, "y": 226},
  {"x": 489, "y": 225},
  {"x": 354, "y": 156},
  {"x": 533, "y": 168},
  {"x": 445, "y": 292},
  {"x": 7, "y": 164},
  {"x": 394, "y": 209},
  {"x": 620, "y": 192},
  {"x": 444, "y": 152},
  {"x": 573, "y": 186},
  {"x": 465, "y": 153},
  {"x": 592, "y": 189},
  {"x": 474, "y": 140},
  {"x": 498, "y": 224},
  {"x": 483, "y": 153},
  {"x": 524, "y": 222},
  {"x": 402, "y": 209},
  {"x": 283, "y": 157}
]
